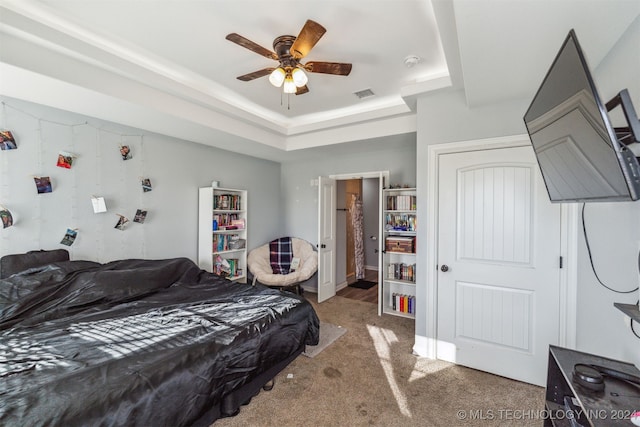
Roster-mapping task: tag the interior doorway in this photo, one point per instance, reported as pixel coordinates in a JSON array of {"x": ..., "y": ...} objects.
[
  {"x": 353, "y": 229},
  {"x": 331, "y": 255},
  {"x": 357, "y": 241}
]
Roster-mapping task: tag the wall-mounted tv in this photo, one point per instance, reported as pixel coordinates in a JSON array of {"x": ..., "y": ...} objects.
[{"x": 580, "y": 156}]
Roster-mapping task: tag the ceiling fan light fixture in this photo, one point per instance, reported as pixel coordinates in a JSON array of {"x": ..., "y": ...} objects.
[
  {"x": 277, "y": 77},
  {"x": 299, "y": 77},
  {"x": 288, "y": 50},
  {"x": 289, "y": 85}
]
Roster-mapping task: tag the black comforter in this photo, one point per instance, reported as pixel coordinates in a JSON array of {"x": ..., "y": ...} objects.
[{"x": 136, "y": 342}]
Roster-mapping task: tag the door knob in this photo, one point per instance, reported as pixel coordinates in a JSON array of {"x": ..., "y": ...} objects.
[{"x": 444, "y": 268}]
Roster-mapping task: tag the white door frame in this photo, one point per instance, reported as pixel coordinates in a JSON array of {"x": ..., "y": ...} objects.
[
  {"x": 568, "y": 246},
  {"x": 383, "y": 179}
]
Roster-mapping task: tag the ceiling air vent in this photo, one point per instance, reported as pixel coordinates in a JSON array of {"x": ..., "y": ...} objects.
[{"x": 364, "y": 93}]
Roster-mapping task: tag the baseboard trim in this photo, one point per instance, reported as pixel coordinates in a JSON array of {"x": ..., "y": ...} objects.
[
  {"x": 424, "y": 347},
  {"x": 342, "y": 285}
]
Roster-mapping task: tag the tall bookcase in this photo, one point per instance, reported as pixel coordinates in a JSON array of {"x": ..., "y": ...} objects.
[
  {"x": 399, "y": 226},
  {"x": 222, "y": 232}
]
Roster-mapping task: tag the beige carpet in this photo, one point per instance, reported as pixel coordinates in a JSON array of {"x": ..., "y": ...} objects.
[{"x": 369, "y": 377}]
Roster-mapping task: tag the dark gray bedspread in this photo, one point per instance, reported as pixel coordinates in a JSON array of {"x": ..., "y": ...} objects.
[{"x": 136, "y": 342}]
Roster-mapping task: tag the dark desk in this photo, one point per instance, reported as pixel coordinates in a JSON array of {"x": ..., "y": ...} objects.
[{"x": 566, "y": 399}]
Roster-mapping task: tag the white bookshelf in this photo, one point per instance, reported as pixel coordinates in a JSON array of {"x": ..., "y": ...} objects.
[
  {"x": 399, "y": 222},
  {"x": 214, "y": 243}
]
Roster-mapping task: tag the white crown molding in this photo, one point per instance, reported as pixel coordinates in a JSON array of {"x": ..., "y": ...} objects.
[{"x": 98, "y": 73}]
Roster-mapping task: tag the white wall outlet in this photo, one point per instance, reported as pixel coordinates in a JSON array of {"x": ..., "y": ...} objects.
[{"x": 313, "y": 182}]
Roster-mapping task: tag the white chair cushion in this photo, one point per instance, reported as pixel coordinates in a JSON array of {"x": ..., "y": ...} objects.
[{"x": 260, "y": 266}]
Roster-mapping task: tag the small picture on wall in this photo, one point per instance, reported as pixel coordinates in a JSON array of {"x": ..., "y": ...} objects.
[
  {"x": 7, "y": 142},
  {"x": 43, "y": 184},
  {"x": 140, "y": 216},
  {"x": 125, "y": 152},
  {"x": 7, "y": 219},
  {"x": 69, "y": 237},
  {"x": 99, "y": 205},
  {"x": 65, "y": 160},
  {"x": 122, "y": 223},
  {"x": 146, "y": 185}
]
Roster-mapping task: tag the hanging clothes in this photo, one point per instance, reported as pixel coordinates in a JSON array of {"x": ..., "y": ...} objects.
[{"x": 358, "y": 224}]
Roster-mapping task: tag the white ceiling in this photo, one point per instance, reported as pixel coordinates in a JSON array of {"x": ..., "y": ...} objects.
[{"x": 165, "y": 66}]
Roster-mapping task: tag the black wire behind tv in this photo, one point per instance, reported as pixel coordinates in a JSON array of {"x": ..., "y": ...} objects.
[{"x": 582, "y": 157}]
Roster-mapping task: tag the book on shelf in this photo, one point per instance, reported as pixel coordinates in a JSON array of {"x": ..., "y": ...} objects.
[
  {"x": 403, "y": 303},
  {"x": 401, "y": 271},
  {"x": 227, "y": 202},
  {"x": 227, "y": 267},
  {"x": 400, "y": 222},
  {"x": 238, "y": 223},
  {"x": 225, "y": 242},
  {"x": 225, "y": 221},
  {"x": 401, "y": 202}
]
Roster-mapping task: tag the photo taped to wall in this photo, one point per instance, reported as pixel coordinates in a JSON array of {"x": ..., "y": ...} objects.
[
  {"x": 122, "y": 223},
  {"x": 140, "y": 216},
  {"x": 125, "y": 152},
  {"x": 43, "y": 184},
  {"x": 99, "y": 205},
  {"x": 146, "y": 185},
  {"x": 69, "y": 237},
  {"x": 7, "y": 141},
  {"x": 7, "y": 218},
  {"x": 65, "y": 160}
]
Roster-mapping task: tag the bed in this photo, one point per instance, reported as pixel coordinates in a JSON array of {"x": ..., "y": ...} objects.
[{"x": 138, "y": 342}]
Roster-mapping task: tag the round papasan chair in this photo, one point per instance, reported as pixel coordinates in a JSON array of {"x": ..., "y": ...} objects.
[{"x": 259, "y": 265}]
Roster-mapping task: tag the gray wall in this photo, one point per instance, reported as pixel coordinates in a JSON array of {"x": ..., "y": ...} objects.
[
  {"x": 300, "y": 198},
  {"x": 176, "y": 169},
  {"x": 613, "y": 231},
  {"x": 614, "y": 228}
]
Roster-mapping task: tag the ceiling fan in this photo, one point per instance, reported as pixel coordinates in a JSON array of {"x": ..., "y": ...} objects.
[{"x": 289, "y": 50}]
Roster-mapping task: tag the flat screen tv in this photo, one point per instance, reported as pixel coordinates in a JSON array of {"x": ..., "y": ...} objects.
[{"x": 580, "y": 156}]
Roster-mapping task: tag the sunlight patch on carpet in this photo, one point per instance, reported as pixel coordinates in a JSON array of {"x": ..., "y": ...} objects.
[
  {"x": 382, "y": 340},
  {"x": 417, "y": 375}
]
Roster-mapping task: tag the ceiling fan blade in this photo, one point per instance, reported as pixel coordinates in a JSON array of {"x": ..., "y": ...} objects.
[
  {"x": 256, "y": 74},
  {"x": 248, "y": 44},
  {"x": 339, "y": 68},
  {"x": 302, "y": 90},
  {"x": 307, "y": 39}
]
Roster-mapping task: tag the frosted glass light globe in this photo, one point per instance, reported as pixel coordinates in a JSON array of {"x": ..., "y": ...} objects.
[
  {"x": 276, "y": 77},
  {"x": 289, "y": 85},
  {"x": 299, "y": 77}
]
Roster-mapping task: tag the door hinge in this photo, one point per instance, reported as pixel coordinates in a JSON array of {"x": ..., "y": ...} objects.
[{"x": 560, "y": 262}]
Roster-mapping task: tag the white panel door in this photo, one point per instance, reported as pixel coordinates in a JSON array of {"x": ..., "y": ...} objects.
[
  {"x": 326, "y": 238},
  {"x": 498, "y": 261}
]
